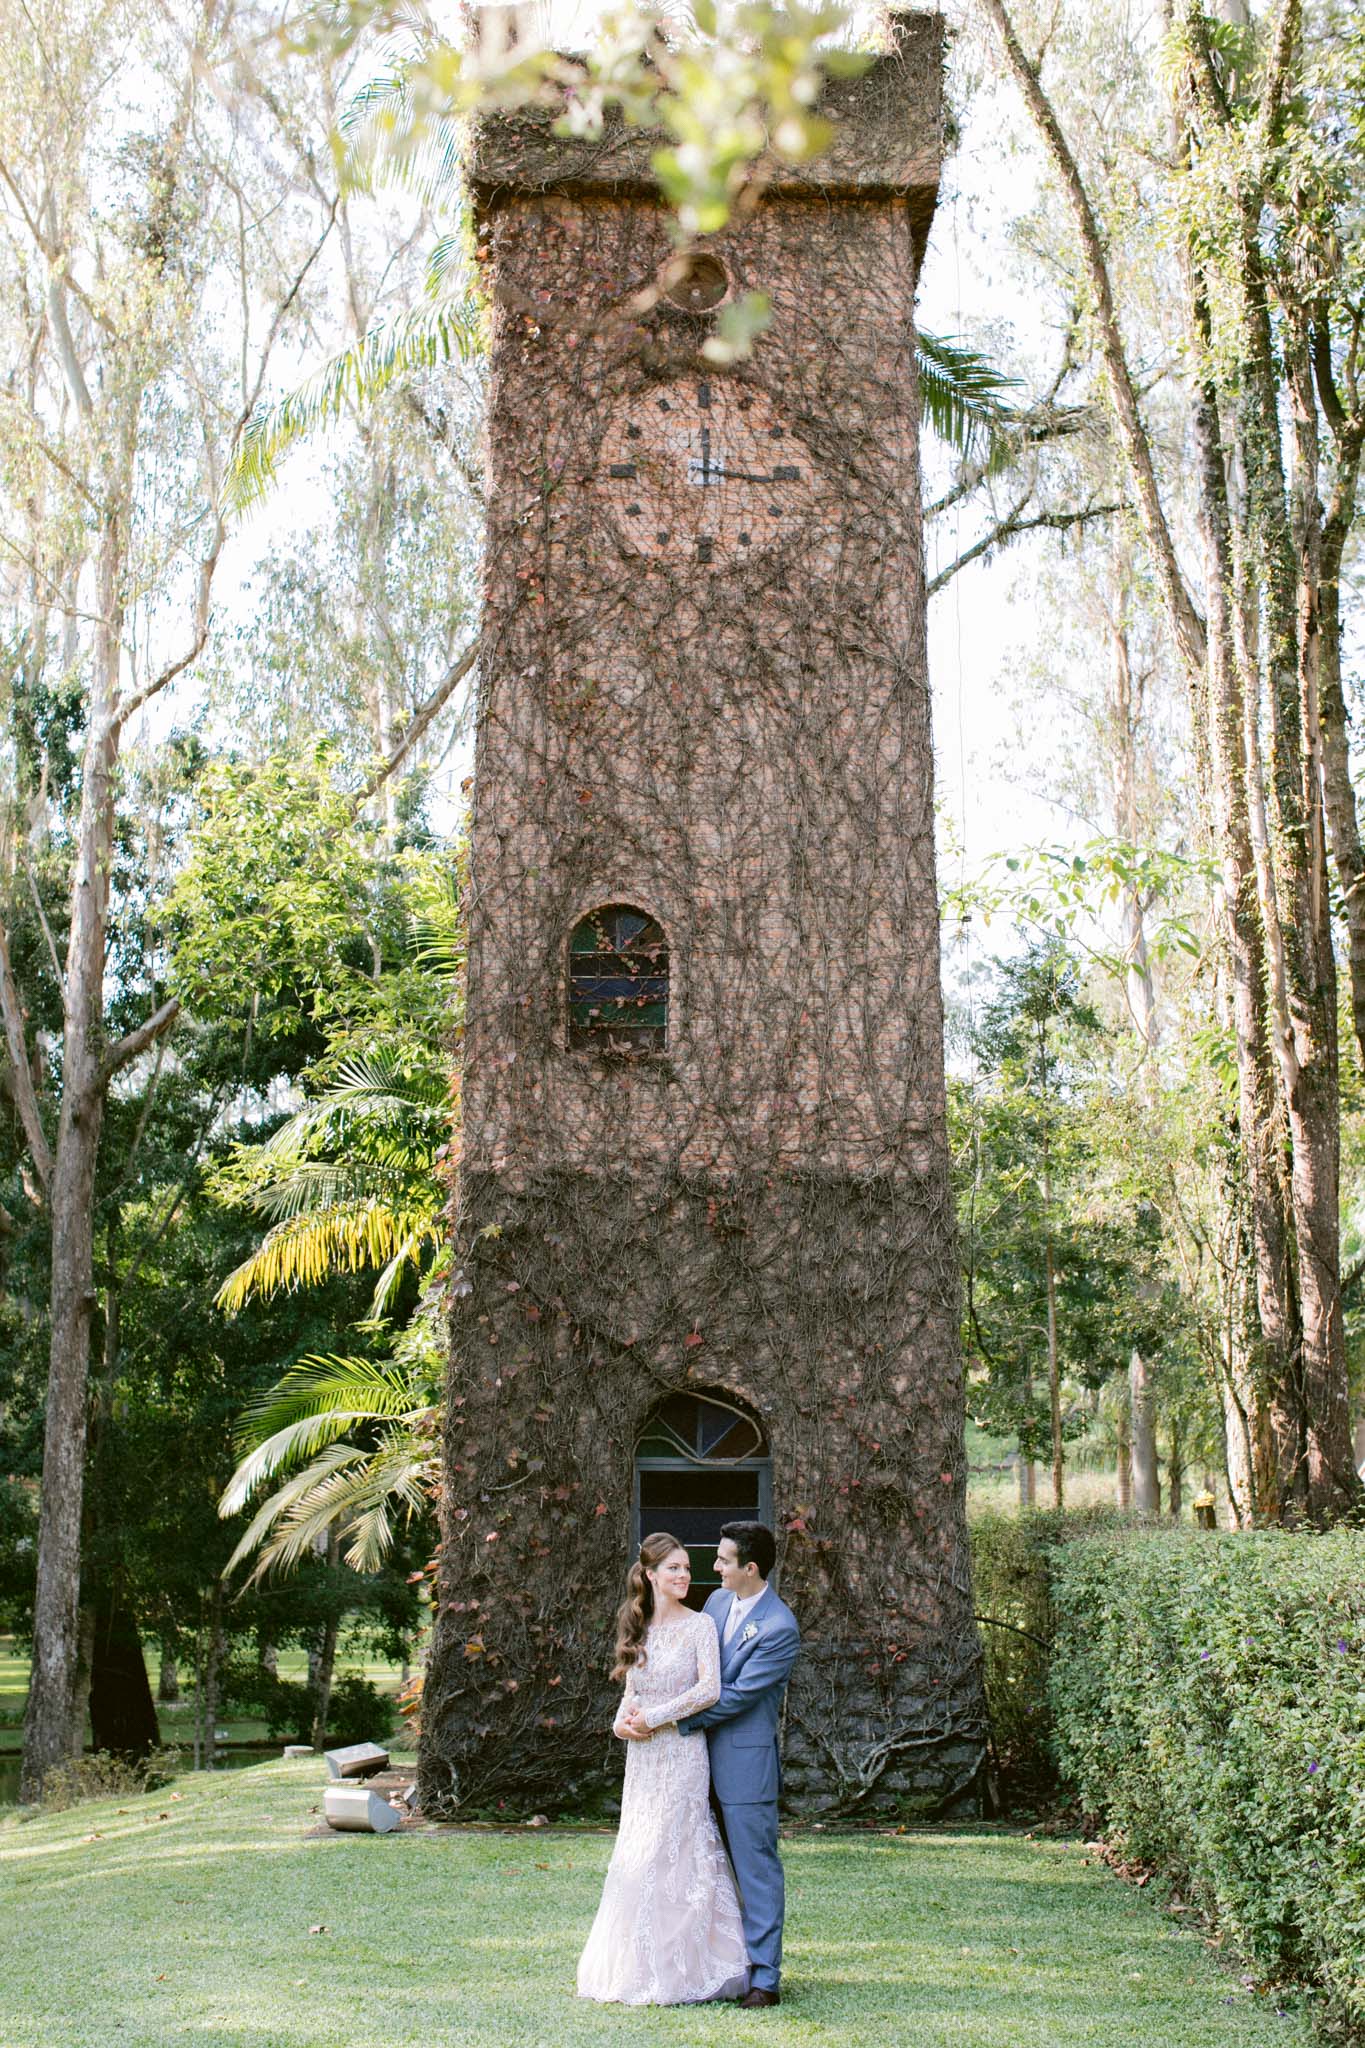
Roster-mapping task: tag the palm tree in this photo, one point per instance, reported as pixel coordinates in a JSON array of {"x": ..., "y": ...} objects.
[
  {"x": 356, "y": 1179},
  {"x": 349, "y": 1181},
  {"x": 362, "y": 1433}
]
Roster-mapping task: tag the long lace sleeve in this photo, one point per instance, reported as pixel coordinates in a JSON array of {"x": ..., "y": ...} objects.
[
  {"x": 627, "y": 1702},
  {"x": 705, "y": 1692}
]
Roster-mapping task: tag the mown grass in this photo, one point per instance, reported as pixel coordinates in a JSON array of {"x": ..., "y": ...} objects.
[{"x": 188, "y": 1919}]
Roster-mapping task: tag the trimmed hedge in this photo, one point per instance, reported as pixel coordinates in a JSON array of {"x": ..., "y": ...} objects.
[
  {"x": 1208, "y": 1701},
  {"x": 1012, "y": 1592}
]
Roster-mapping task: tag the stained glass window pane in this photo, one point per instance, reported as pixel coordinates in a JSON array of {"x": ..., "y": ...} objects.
[{"x": 618, "y": 982}]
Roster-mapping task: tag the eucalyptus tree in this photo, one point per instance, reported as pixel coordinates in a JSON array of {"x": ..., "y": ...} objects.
[
  {"x": 160, "y": 222},
  {"x": 1251, "y": 170}
]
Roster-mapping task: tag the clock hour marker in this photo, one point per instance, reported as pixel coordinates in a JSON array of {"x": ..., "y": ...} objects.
[
  {"x": 632, "y": 433},
  {"x": 703, "y": 547},
  {"x": 703, "y": 394},
  {"x": 774, "y": 433},
  {"x": 783, "y": 473},
  {"x": 624, "y": 469},
  {"x": 632, "y": 511}
]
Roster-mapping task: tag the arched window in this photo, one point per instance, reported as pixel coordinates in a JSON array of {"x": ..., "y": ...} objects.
[
  {"x": 618, "y": 981},
  {"x": 703, "y": 1460}
]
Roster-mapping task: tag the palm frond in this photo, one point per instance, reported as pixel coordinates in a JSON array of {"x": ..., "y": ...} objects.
[
  {"x": 420, "y": 339},
  {"x": 308, "y": 1249},
  {"x": 391, "y": 141},
  {"x": 283, "y": 1503},
  {"x": 304, "y": 1438},
  {"x": 386, "y": 1287},
  {"x": 962, "y": 394},
  {"x": 325, "y": 1383},
  {"x": 334, "y": 1495}
]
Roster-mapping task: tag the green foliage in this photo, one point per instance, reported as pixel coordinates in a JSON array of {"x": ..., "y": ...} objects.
[
  {"x": 962, "y": 398},
  {"x": 271, "y": 905},
  {"x": 1209, "y": 1696},
  {"x": 1044, "y": 1159},
  {"x": 1060, "y": 894},
  {"x": 357, "y": 1441},
  {"x": 423, "y": 338},
  {"x": 1012, "y": 1562},
  {"x": 357, "y": 1178},
  {"x": 357, "y": 1711},
  {"x": 102, "y": 1775}
]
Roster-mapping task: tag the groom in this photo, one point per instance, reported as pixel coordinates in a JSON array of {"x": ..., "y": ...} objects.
[{"x": 759, "y": 1640}]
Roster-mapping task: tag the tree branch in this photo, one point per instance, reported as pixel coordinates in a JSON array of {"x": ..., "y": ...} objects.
[
  {"x": 134, "y": 1042},
  {"x": 46, "y": 927},
  {"x": 25, "y": 1092},
  {"x": 1011, "y": 526},
  {"x": 1186, "y": 623},
  {"x": 129, "y": 706},
  {"x": 418, "y": 724}
]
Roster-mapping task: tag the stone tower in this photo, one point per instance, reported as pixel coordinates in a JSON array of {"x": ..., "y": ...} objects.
[{"x": 705, "y": 1237}]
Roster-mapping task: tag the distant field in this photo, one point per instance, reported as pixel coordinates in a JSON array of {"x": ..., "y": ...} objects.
[{"x": 176, "y": 1722}]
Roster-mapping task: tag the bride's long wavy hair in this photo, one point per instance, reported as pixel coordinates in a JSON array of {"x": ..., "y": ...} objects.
[{"x": 636, "y": 1611}]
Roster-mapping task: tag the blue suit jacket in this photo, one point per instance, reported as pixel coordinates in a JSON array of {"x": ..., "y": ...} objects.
[{"x": 742, "y": 1725}]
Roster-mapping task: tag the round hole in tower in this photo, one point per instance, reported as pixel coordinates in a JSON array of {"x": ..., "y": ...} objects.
[{"x": 696, "y": 284}]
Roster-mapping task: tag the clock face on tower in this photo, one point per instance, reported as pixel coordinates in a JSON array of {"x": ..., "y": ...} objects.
[{"x": 700, "y": 470}]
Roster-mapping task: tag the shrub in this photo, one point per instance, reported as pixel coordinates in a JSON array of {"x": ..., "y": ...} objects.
[
  {"x": 285, "y": 1705},
  {"x": 1012, "y": 1595},
  {"x": 1208, "y": 1694},
  {"x": 104, "y": 1775},
  {"x": 359, "y": 1712}
]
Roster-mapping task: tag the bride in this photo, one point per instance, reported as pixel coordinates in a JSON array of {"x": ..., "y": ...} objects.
[{"x": 668, "y": 1929}]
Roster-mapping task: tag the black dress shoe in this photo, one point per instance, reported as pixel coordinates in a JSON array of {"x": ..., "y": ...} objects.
[{"x": 754, "y": 2000}]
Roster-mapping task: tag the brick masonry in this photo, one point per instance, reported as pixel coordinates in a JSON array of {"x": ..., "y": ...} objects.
[{"x": 704, "y": 693}]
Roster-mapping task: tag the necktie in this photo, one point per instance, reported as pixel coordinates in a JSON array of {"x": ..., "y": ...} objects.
[{"x": 732, "y": 1622}]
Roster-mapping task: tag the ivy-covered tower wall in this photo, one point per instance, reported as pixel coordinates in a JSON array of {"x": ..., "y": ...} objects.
[{"x": 704, "y": 695}]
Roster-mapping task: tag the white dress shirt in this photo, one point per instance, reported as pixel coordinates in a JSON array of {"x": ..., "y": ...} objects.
[{"x": 738, "y": 1611}]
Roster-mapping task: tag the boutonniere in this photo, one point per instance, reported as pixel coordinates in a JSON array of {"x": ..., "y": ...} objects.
[{"x": 748, "y": 1632}]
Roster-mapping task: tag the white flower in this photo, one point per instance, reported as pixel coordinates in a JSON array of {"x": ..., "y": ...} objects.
[{"x": 747, "y": 1634}]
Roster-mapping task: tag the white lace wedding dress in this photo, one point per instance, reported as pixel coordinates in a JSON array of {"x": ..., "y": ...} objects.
[{"x": 668, "y": 1929}]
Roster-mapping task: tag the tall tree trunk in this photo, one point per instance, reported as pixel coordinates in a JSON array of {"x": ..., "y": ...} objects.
[
  {"x": 122, "y": 1711},
  {"x": 1123, "y": 1475},
  {"x": 1054, "y": 1384},
  {"x": 209, "y": 1673},
  {"x": 1291, "y": 1388},
  {"x": 1146, "y": 1476},
  {"x": 168, "y": 1678},
  {"x": 327, "y": 1654},
  {"x": 1175, "y": 1471},
  {"x": 80, "y": 1689},
  {"x": 72, "y": 1202}
]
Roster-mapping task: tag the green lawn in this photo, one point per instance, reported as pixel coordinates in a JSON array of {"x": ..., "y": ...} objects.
[{"x": 190, "y": 1919}]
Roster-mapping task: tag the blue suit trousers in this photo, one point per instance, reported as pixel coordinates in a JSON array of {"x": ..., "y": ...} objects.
[{"x": 750, "y": 1833}]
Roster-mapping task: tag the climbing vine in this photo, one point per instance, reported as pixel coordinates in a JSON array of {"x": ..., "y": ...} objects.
[{"x": 704, "y": 695}]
